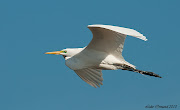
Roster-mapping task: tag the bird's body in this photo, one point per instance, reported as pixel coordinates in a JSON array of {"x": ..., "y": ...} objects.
[
  {"x": 104, "y": 52},
  {"x": 108, "y": 62}
]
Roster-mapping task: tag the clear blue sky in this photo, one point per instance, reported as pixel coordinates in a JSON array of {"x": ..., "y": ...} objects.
[{"x": 31, "y": 80}]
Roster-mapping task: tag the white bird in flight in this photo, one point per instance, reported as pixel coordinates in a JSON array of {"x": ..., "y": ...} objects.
[{"x": 104, "y": 52}]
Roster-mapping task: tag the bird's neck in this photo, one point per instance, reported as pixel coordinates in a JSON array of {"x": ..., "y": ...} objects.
[{"x": 72, "y": 52}]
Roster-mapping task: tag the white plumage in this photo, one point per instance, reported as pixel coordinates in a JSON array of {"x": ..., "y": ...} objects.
[{"x": 104, "y": 52}]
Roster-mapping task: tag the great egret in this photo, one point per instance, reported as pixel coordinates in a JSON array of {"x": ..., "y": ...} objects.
[{"x": 104, "y": 52}]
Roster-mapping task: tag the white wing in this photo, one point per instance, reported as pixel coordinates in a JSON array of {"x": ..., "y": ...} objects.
[
  {"x": 110, "y": 39},
  {"x": 107, "y": 40},
  {"x": 92, "y": 76}
]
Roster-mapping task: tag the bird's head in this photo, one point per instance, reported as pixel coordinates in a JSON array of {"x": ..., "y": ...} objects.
[{"x": 66, "y": 52}]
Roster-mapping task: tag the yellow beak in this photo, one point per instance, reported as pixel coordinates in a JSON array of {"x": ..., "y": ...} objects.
[{"x": 55, "y": 52}]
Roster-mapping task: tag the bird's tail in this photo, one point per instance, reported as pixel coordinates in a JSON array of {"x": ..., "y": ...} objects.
[{"x": 126, "y": 67}]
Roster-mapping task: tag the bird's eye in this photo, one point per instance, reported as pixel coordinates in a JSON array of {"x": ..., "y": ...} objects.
[{"x": 65, "y": 51}]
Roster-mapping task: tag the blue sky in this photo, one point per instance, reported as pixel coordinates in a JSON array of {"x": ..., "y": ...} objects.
[{"x": 31, "y": 80}]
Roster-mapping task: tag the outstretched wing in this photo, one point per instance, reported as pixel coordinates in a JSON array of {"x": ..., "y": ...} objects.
[
  {"x": 107, "y": 40},
  {"x": 92, "y": 76},
  {"x": 110, "y": 39}
]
